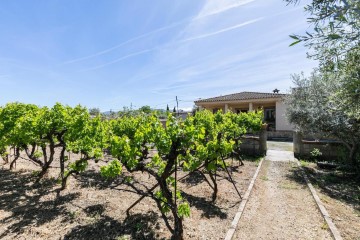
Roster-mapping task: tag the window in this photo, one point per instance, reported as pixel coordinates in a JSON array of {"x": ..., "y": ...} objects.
[
  {"x": 269, "y": 114},
  {"x": 239, "y": 110}
]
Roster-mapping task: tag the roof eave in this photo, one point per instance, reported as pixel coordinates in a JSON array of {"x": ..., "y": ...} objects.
[{"x": 242, "y": 100}]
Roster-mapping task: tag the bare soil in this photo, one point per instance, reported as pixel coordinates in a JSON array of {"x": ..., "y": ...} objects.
[
  {"x": 281, "y": 207},
  {"x": 340, "y": 193},
  {"x": 91, "y": 208}
]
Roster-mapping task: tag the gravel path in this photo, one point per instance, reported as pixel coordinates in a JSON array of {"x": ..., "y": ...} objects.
[{"x": 281, "y": 206}]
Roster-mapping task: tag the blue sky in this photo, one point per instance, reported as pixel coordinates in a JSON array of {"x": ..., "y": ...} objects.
[{"x": 110, "y": 54}]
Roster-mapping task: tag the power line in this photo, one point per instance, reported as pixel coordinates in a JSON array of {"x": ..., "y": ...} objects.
[{"x": 168, "y": 102}]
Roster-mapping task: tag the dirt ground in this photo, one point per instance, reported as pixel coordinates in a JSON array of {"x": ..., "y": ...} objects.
[
  {"x": 281, "y": 207},
  {"x": 91, "y": 208},
  {"x": 340, "y": 194}
]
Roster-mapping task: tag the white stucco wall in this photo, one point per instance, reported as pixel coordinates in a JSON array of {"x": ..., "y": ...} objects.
[{"x": 281, "y": 121}]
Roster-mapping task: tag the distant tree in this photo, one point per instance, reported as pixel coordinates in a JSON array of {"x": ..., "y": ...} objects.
[
  {"x": 145, "y": 109},
  {"x": 167, "y": 108},
  {"x": 174, "y": 110},
  {"x": 94, "y": 111},
  {"x": 113, "y": 114}
]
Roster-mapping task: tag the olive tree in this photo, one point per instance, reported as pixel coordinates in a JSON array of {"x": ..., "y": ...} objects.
[
  {"x": 314, "y": 107},
  {"x": 336, "y": 29},
  {"x": 328, "y": 101}
]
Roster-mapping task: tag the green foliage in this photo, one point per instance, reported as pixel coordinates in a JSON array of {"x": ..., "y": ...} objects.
[
  {"x": 4, "y": 154},
  {"x": 315, "y": 106},
  {"x": 78, "y": 166},
  {"x": 184, "y": 209},
  {"x": 139, "y": 142},
  {"x": 165, "y": 208},
  {"x": 38, "y": 154},
  {"x": 336, "y": 28},
  {"x": 18, "y": 124},
  {"x": 315, "y": 153},
  {"x": 145, "y": 109},
  {"x": 29, "y": 127},
  {"x": 204, "y": 138},
  {"x": 112, "y": 170},
  {"x": 94, "y": 111},
  {"x": 328, "y": 101},
  {"x": 304, "y": 163}
]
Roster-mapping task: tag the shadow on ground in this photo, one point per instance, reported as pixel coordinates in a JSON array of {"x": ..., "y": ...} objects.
[
  {"x": 91, "y": 178},
  {"x": 208, "y": 208},
  {"x": 340, "y": 185},
  {"x": 35, "y": 205},
  {"x": 28, "y": 203},
  {"x": 194, "y": 178},
  {"x": 137, "y": 226}
]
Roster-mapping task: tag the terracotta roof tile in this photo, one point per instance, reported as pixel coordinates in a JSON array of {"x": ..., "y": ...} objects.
[{"x": 242, "y": 96}]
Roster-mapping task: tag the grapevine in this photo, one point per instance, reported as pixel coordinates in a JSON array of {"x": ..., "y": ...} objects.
[{"x": 138, "y": 143}]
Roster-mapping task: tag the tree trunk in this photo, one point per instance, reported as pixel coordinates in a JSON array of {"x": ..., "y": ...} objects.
[
  {"x": 215, "y": 187},
  {"x": 17, "y": 155},
  {"x": 48, "y": 163},
  {"x": 44, "y": 170},
  {"x": 62, "y": 168},
  {"x": 178, "y": 224},
  {"x": 213, "y": 180}
]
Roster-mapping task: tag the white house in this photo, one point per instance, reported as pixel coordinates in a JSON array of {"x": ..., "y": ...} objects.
[{"x": 271, "y": 103}]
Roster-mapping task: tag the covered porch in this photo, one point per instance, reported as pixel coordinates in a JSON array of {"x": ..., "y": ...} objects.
[{"x": 268, "y": 107}]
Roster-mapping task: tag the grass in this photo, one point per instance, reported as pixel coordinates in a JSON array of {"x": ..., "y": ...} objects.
[
  {"x": 256, "y": 159},
  {"x": 304, "y": 163},
  {"x": 264, "y": 178},
  {"x": 73, "y": 214},
  {"x": 357, "y": 212},
  {"x": 324, "y": 226}
]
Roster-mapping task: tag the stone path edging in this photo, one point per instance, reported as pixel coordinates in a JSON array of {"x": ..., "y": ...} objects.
[
  {"x": 234, "y": 223},
  {"x": 333, "y": 229}
]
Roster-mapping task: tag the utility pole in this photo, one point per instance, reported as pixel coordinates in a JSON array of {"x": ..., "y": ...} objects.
[
  {"x": 177, "y": 106},
  {"x": 176, "y": 165}
]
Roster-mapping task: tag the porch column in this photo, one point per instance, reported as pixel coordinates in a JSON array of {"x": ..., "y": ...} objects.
[
  {"x": 250, "y": 107},
  {"x": 226, "y": 107}
]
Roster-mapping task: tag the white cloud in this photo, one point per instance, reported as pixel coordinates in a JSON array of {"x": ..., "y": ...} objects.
[
  {"x": 174, "y": 44},
  {"x": 211, "y": 8},
  {"x": 222, "y": 30},
  {"x": 119, "y": 59},
  {"x": 108, "y": 50},
  {"x": 215, "y": 7}
]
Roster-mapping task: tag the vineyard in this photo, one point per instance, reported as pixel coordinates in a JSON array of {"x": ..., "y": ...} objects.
[{"x": 171, "y": 171}]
